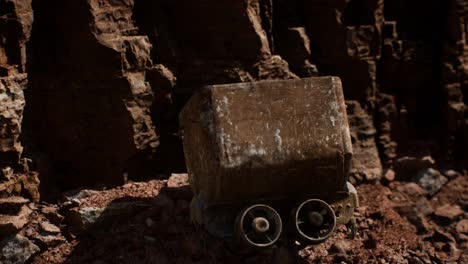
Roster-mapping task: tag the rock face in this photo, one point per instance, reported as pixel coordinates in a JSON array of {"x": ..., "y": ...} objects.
[
  {"x": 366, "y": 162},
  {"x": 16, "y": 18},
  {"x": 106, "y": 79},
  {"x": 15, "y": 28},
  {"x": 90, "y": 79}
]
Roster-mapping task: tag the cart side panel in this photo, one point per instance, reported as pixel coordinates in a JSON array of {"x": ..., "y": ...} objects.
[{"x": 269, "y": 139}]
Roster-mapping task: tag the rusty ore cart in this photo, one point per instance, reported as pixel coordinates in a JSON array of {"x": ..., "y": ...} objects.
[{"x": 269, "y": 160}]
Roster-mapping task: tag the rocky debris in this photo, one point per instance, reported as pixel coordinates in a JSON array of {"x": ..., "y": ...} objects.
[
  {"x": 26, "y": 184},
  {"x": 83, "y": 218},
  {"x": 449, "y": 212},
  {"x": 51, "y": 213},
  {"x": 49, "y": 228},
  {"x": 411, "y": 203},
  {"x": 41, "y": 231},
  {"x": 178, "y": 180},
  {"x": 453, "y": 193},
  {"x": 431, "y": 180},
  {"x": 10, "y": 224},
  {"x": 273, "y": 67},
  {"x": 12, "y": 204},
  {"x": 164, "y": 228},
  {"x": 85, "y": 209},
  {"x": 462, "y": 226},
  {"x": 17, "y": 249},
  {"x": 450, "y": 174}
]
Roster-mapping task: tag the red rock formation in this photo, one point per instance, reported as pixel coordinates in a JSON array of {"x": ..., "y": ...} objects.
[
  {"x": 89, "y": 100},
  {"x": 15, "y": 27}
]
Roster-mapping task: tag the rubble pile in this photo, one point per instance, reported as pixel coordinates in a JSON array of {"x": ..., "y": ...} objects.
[{"x": 399, "y": 222}]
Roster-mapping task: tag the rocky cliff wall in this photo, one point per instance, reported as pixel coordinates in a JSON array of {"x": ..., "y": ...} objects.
[
  {"x": 105, "y": 80},
  {"x": 15, "y": 29}
]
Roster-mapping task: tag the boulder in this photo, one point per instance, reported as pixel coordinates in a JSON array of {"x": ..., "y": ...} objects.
[
  {"x": 431, "y": 180},
  {"x": 17, "y": 250}
]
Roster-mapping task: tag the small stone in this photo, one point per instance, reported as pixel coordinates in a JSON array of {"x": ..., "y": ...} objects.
[
  {"x": 431, "y": 180},
  {"x": 462, "y": 226},
  {"x": 17, "y": 249},
  {"x": 449, "y": 212},
  {"x": 51, "y": 213},
  {"x": 451, "y": 174},
  {"x": 84, "y": 218},
  {"x": 47, "y": 239},
  {"x": 389, "y": 175},
  {"x": 50, "y": 228},
  {"x": 177, "y": 180},
  {"x": 340, "y": 247}
]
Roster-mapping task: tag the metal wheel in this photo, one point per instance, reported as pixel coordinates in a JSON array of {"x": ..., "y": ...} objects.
[
  {"x": 314, "y": 221},
  {"x": 258, "y": 226}
]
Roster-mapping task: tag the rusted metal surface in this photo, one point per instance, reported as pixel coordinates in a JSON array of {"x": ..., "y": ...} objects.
[{"x": 267, "y": 140}]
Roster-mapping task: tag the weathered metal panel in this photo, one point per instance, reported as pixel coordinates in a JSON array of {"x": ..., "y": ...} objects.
[{"x": 267, "y": 140}]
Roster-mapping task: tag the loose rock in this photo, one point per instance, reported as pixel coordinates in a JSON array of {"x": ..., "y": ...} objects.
[
  {"x": 389, "y": 175},
  {"x": 177, "y": 180},
  {"x": 50, "y": 228},
  {"x": 17, "y": 250},
  {"x": 449, "y": 212},
  {"x": 10, "y": 224},
  {"x": 462, "y": 226},
  {"x": 431, "y": 180}
]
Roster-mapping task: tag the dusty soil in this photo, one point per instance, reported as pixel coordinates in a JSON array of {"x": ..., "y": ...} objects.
[{"x": 397, "y": 223}]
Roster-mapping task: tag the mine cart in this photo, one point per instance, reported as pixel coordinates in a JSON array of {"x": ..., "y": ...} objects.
[{"x": 269, "y": 160}]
